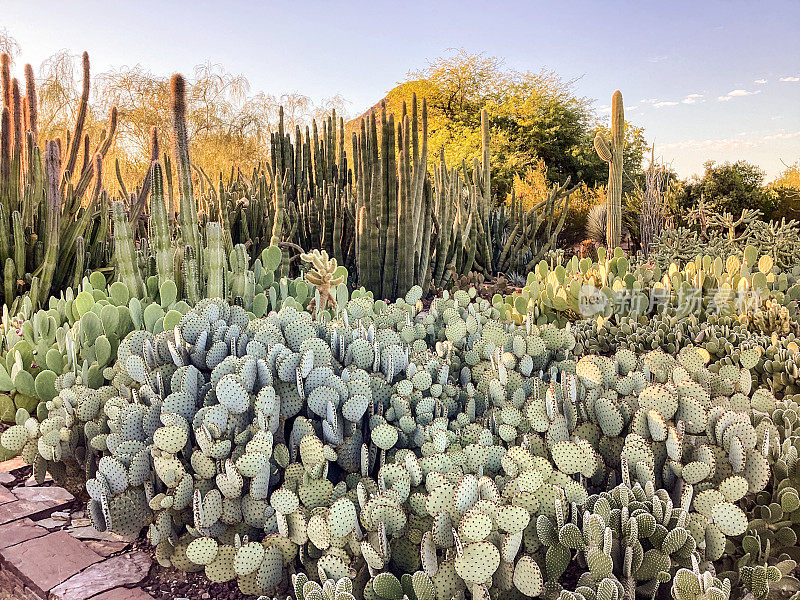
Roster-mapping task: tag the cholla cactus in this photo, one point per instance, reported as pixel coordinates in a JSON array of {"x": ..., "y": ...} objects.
[
  {"x": 728, "y": 223},
  {"x": 323, "y": 276}
]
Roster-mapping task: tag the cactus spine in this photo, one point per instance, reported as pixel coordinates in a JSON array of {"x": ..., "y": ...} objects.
[{"x": 611, "y": 152}]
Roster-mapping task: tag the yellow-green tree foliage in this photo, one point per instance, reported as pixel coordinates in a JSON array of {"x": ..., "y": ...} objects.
[
  {"x": 534, "y": 116},
  {"x": 786, "y": 192}
]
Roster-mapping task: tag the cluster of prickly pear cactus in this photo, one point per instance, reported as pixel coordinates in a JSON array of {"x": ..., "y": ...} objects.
[
  {"x": 752, "y": 291},
  {"x": 381, "y": 441},
  {"x": 233, "y": 436},
  {"x": 79, "y": 332}
]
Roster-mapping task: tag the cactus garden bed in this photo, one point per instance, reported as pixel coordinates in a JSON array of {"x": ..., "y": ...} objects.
[{"x": 331, "y": 390}]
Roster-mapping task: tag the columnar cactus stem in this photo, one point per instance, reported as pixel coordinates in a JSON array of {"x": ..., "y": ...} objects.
[
  {"x": 5, "y": 233},
  {"x": 611, "y": 152},
  {"x": 241, "y": 282},
  {"x": 9, "y": 281},
  {"x": 5, "y": 78},
  {"x": 160, "y": 236},
  {"x": 16, "y": 116},
  {"x": 188, "y": 209},
  {"x": 486, "y": 185},
  {"x": 215, "y": 261},
  {"x": 16, "y": 124},
  {"x": 32, "y": 105},
  {"x": 125, "y": 252},
  {"x": 77, "y": 136},
  {"x": 19, "y": 243},
  {"x": 389, "y": 166},
  {"x": 5, "y": 151},
  {"x": 278, "y": 199},
  {"x": 80, "y": 261},
  {"x": 191, "y": 276}
]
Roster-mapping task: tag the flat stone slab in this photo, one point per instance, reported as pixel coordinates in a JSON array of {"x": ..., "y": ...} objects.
[
  {"x": 43, "y": 494},
  {"x": 31, "y": 481},
  {"x": 12, "y": 465},
  {"x": 90, "y": 533},
  {"x": 80, "y": 522},
  {"x": 34, "y": 502},
  {"x": 50, "y": 523},
  {"x": 123, "y": 594},
  {"x": 6, "y": 495},
  {"x": 12, "y": 587},
  {"x": 49, "y": 560},
  {"x": 6, "y": 478},
  {"x": 105, "y": 548},
  {"x": 19, "y": 531},
  {"x": 116, "y": 572}
]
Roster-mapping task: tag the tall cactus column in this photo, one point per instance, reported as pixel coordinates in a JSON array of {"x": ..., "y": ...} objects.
[
  {"x": 190, "y": 231},
  {"x": 611, "y": 152}
]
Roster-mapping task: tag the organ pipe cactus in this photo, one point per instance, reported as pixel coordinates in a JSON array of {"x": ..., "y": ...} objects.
[
  {"x": 160, "y": 229},
  {"x": 392, "y": 202},
  {"x": 46, "y": 203},
  {"x": 190, "y": 233},
  {"x": 611, "y": 151}
]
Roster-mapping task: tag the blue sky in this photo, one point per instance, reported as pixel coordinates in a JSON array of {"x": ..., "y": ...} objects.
[{"x": 707, "y": 79}]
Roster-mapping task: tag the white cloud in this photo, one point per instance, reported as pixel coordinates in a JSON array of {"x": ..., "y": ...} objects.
[
  {"x": 760, "y": 81},
  {"x": 783, "y": 135},
  {"x": 692, "y": 99},
  {"x": 739, "y": 142},
  {"x": 791, "y": 79},
  {"x": 736, "y": 94}
]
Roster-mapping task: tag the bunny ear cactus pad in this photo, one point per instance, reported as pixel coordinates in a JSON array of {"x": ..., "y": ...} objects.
[
  {"x": 477, "y": 562},
  {"x": 202, "y": 551},
  {"x": 729, "y": 518}
]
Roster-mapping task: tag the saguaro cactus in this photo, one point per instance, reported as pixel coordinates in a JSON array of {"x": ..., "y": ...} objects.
[{"x": 611, "y": 152}]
